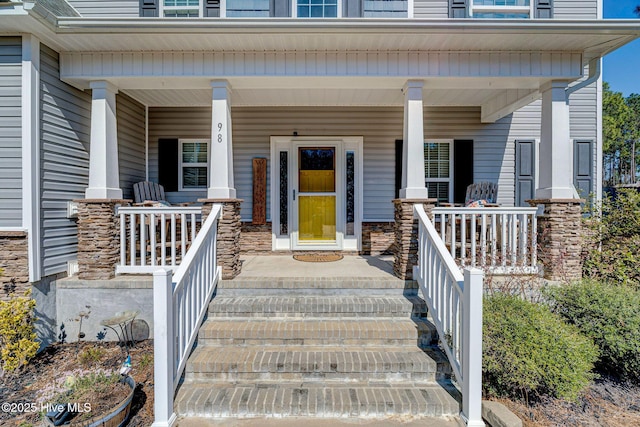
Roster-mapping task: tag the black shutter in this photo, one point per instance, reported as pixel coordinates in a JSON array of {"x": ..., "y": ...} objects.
[
  {"x": 457, "y": 8},
  {"x": 544, "y": 9},
  {"x": 398, "y": 166},
  {"x": 149, "y": 8},
  {"x": 525, "y": 171},
  {"x": 280, "y": 8},
  {"x": 583, "y": 168},
  {"x": 211, "y": 8},
  {"x": 353, "y": 9},
  {"x": 462, "y": 168},
  {"x": 168, "y": 158}
]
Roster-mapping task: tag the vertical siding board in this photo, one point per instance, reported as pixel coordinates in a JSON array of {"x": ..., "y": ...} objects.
[
  {"x": 64, "y": 132},
  {"x": 11, "y": 135}
]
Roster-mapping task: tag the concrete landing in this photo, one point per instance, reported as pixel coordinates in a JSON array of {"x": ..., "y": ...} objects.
[{"x": 282, "y": 266}]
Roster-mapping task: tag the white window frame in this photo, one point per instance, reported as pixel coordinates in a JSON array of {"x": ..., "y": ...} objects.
[
  {"x": 501, "y": 9},
  {"x": 181, "y": 164},
  {"x": 448, "y": 180},
  {"x": 164, "y": 8},
  {"x": 294, "y": 12}
]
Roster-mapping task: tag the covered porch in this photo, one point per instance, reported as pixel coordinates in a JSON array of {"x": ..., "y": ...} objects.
[{"x": 263, "y": 97}]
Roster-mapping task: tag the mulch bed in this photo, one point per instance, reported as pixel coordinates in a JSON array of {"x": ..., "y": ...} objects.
[
  {"x": 607, "y": 402},
  {"x": 45, "y": 374}
]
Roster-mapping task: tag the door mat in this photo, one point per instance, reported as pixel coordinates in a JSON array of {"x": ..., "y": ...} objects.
[{"x": 318, "y": 257}]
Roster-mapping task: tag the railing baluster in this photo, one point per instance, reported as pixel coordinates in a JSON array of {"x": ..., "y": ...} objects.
[
  {"x": 463, "y": 239},
  {"x": 503, "y": 243},
  {"x": 143, "y": 240},
  {"x": 152, "y": 237},
  {"x": 473, "y": 240},
  {"x": 163, "y": 239},
  {"x": 483, "y": 240},
  {"x": 173, "y": 239},
  {"x": 494, "y": 239},
  {"x": 132, "y": 232}
]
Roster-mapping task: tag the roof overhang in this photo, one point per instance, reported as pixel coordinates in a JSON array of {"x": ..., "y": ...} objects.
[
  {"x": 592, "y": 38},
  {"x": 524, "y": 49}
]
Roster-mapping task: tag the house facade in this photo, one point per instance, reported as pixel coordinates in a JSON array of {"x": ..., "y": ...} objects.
[
  {"x": 295, "y": 126},
  {"x": 351, "y": 104}
]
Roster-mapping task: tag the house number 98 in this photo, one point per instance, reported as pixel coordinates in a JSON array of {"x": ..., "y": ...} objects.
[{"x": 219, "y": 133}]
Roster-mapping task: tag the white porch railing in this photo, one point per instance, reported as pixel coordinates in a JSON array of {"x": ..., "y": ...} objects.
[
  {"x": 155, "y": 237},
  {"x": 455, "y": 304},
  {"x": 179, "y": 305},
  {"x": 501, "y": 240}
]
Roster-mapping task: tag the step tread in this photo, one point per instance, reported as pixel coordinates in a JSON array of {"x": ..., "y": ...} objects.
[
  {"x": 344, "y": 305},
  {"x": 364, "y": 329},
  {"x": 308, "y": 359},
  {"x": 311, "y": 400}
]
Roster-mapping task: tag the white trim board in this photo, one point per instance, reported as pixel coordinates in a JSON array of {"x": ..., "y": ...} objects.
[
  {"x": 290, "y": 145},
  {"x": 31, "y": 152}
]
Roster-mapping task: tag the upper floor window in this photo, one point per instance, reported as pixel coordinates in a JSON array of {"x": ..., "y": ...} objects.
[
  {"x": 505, "y": 9},
  {"x": 181, "y": 8},
  {"x": 317, "y": 8}
]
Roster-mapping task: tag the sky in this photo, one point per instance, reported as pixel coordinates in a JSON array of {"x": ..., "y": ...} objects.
[{"x": 621, "y": 68}]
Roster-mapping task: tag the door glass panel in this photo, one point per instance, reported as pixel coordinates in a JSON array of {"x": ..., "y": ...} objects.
[
  {"x": 284, "y": 192},
  {"x": 317, "y": 170},
  {"x": 351, "y": 194},
  {"x": 317, "y": 194},
  {"x": 317, "y": 217}
]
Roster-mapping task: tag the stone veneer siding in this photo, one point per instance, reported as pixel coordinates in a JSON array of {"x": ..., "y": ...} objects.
[
  {"x": 228, "y": 243},
  {"x": 255, "y": 239},
  {"x": 406, "y": 235},
  {"x": 560, "y": 238},
  {"x": 14, "y": 262},
  {"x": 378, "y": 238},
  {"x": 98, "y": 238}
]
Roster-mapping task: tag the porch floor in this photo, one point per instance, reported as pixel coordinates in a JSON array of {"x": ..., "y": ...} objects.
[{"x": 285, "y": 266}]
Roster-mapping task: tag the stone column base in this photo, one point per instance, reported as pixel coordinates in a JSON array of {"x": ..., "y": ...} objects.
[
  {"x": 406, "y": 235},
  {"x": 560, "y": 238},
  {"x": 98, "y": 237},
  {"x": 229, "y": 227},
  {"x": 14, "y": 263}
]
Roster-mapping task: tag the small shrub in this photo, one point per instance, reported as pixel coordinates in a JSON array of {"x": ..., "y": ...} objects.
[
  {"x": 17, "y": 332},
  {"x": 145, "y": 360},
  {"x": 529, "y": 351},
  {"x": 610, "y": 315},
  {"x": 90, "y": 356}
]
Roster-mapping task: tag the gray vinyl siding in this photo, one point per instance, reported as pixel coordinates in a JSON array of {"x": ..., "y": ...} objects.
[
  {"x": 431, "y": 9},
  {"x": 380, "y": 127},
  {"x": 584, "y": 110},
  {"x": 575, "y": 9},
  {"x": 107, "y": 8},
  {"x": 65, "y": 122},
  {"x": 131, "y": 143},
  {"x": 11, "y": 134}
]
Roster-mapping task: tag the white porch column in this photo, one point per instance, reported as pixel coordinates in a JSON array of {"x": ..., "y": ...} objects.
[
  {"x": 104, "y": 175},
  {"x": 413, "y": 186},
  {"x": 556, "y": 150},
  {"x": 221, "y": 155}
]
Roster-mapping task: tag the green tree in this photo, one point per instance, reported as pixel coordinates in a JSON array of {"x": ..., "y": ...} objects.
[{"x": 620, "y": 121}]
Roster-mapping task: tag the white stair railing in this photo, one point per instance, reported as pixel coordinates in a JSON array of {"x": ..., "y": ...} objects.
[
  {"x": 180, "y": 302},
  {"x": 498, "y": 239},
  {"x": 152, "y": 237},
  {"x": 454, "y": 300}
]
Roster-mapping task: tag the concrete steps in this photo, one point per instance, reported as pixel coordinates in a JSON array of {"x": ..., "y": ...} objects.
[
  {"x": 337, "y": 331},
  {"x": 322, "y": 348},
  {"x": 223, "y": 400}
]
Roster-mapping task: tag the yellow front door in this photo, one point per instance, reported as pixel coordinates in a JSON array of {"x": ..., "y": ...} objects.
[{"x": 317, "y": 194}]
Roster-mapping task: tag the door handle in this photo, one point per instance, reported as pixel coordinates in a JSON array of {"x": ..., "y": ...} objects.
[{"x": 294, "y": 194}]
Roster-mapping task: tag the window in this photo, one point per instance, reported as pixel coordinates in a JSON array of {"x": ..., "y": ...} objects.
[
  {"x": 317, "y": 9},
  {"x": 248, "y": 8},
  {"x": 194, "y": 156},
  {"x": 181, "y": 8},
  {"x": 438, "y": 169},
  {"x": 385, "y": 8},
  {"x": 505, "y": 9}
]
